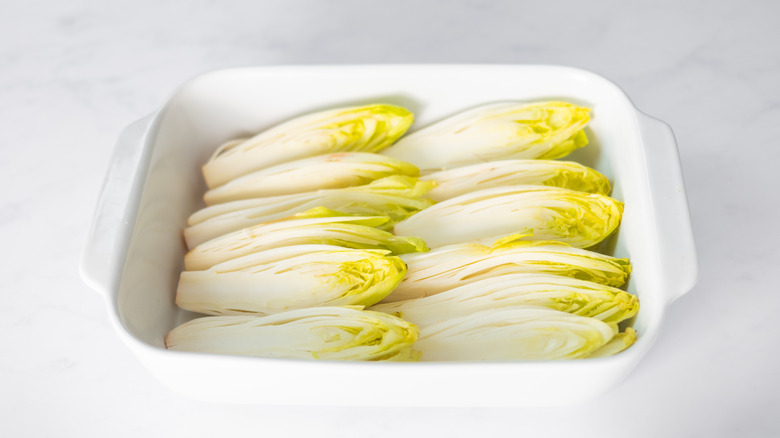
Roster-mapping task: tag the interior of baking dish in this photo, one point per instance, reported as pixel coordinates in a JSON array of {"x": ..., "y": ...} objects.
[{"x": 235, "y": 103}]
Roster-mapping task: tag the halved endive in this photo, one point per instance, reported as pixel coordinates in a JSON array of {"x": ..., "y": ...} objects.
[
  {"x": 396, "y": 197},
  {"x": 566, "y": 174},
  {"x": 367, "y": 128},
  {"x": 569, "y": 295},
  {"x": 318, "y": 226},
  {"x": 329, "y": 333},
  {"x": 330, "y": 171},
  {"x": 618, "y": 343},
  {"x": 452, "y": 266},
  {"x": 514, "y": 333},
  {"x": 544, "y": 213},
  {"x": 542, "y": 130},
  {"x": 291, "y": 277}
]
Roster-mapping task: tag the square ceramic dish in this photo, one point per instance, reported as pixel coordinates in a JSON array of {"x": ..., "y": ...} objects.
[{"x": 135, "y": 250}]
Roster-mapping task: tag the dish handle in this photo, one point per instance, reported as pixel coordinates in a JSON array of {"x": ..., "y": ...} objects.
[
  {"x": 676, "y": 243},
  {"x": 101, "y": 263}
]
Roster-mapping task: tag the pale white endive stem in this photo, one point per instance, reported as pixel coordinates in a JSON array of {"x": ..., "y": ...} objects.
[
  {"x": 367, "y": 128},
  {"x": 452, "y": 266},
  {"x": 329, "y": 333},
  {"x": 514, "y": 333},
  {"x": 345, "y": 169},
  {"x": 543, "y": 213},
  {"x": 467, "y": 179},
  {"x": 500, "y": 131},
  {"x": 291, "y": 277},
  {"x": 579, "y": 297}
]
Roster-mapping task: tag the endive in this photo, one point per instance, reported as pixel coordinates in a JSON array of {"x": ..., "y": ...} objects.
[
  {"x": 569, "y": 295},
  {"x": 618, "y": 343},
  {"x": 318, "y": 226},
  {"x": 367, "y": 128},
  {"x": 452, "y": 266},
  {"x": 395, "y": 196},
  {"x": 545, "y": 213},
  {"x": 566, "y": 174},
  {"x": 514, "y": 333},
  {"x": 330, "y": 333},
  {"x": 309, "y": 174},
  {"x": 291, "y": 277},
  {"x": 542, "y": 130}
]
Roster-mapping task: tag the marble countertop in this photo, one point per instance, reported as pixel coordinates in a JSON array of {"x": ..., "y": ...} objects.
[{"x": 73, "y": 74}]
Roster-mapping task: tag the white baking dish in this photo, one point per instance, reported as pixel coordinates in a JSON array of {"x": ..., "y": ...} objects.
[{"x": 134, "y": 252}]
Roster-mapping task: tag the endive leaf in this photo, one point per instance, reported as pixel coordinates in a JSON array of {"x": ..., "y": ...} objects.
[
  {"x": 570, "y": 295},
  {"x": 331, "y": 171},
  {"x": 347, "y": 231},
  {"x": 566, "y": 174},
  {"x": 452, "y": 266},
  {"x": 329, "y": 333},
  {"x": 291, "y": 277},
  {"x": 546, "y": 213},
  {"x": 543, "y": 130},
  {"x": 362, "y": 129},
  {"x": 396, "y": 197},
  {"x": 514, "y": 333},
  {"x": 620, "y": 342}
]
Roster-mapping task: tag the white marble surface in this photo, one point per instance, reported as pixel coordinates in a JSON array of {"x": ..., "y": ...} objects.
[{"x": 72, "y": 74}]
